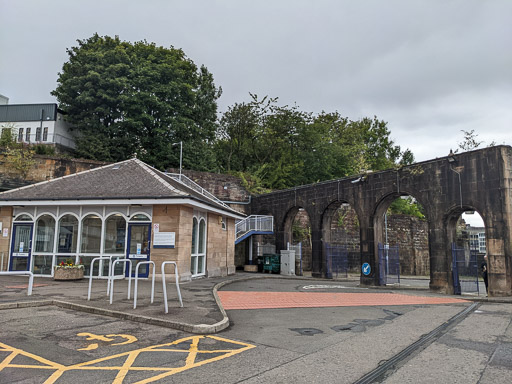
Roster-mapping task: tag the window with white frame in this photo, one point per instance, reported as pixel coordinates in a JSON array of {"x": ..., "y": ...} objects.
[
  {"x": 79, "y": 234},
  {"x": 68, "y": 234},
  {"x": 91, "y": 234},
  {"x": 115, "y": 234},
  {"x": 198, "y": 257}
]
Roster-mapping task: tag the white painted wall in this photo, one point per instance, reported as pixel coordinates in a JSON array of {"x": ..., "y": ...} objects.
[{"x": 58, "y": 131}]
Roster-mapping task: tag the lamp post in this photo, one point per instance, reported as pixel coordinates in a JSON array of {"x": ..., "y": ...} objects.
[{"x": 181, "y": 155}]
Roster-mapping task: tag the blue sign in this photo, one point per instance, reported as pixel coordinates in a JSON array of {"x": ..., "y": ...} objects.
[{"x": 366, "y": 269}]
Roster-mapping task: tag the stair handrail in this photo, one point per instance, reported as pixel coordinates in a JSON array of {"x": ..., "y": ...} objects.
[
  {"x": 261, "y": 223},
  {"x": 181, "y": 178}
]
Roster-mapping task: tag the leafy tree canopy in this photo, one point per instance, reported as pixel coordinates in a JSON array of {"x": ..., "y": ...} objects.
[
  {"x": 282, "y": 146},
  {"x": 137, "y": 98}
]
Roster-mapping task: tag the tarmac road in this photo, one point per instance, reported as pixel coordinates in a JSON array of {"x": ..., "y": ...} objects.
[{"x": 336, "y": 344}]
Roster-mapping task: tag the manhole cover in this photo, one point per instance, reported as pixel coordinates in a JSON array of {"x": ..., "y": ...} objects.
[{"x": 306, "y": 331}]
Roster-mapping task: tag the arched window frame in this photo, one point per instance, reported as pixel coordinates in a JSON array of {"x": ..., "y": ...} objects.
[
  {"x": 104, "y": 233},
  {"x": 55, "y": 227},
  {"x": 80, "y": 246},
  {"x": 199, "y": 245}
]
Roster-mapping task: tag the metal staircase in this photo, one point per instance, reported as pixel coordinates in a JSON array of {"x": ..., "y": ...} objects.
[{"x": 254, "y": 225}]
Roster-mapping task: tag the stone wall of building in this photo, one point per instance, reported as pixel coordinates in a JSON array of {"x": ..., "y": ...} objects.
[
  {"x": 220, "y": 250},
  {"x": 6, "y": 220},
  {"x": 178, "y": 219},
  {"x": 225, "y": 187}
]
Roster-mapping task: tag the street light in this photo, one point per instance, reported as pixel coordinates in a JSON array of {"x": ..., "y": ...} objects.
[{"x": 181, "y": 154}]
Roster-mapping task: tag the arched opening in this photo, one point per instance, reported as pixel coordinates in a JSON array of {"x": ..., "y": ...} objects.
[
  {"x": 297, "y": 233},
  {"x": 342, "y": 240},
  {"x": 468, "y": 264},
  {"x": 402, "y": 242}
]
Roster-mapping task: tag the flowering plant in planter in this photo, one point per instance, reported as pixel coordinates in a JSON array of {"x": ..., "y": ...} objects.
[{"x": 68, "y": 270}]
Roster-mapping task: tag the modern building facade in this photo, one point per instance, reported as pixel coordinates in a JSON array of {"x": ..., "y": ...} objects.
[
  {"x": 37, "y": 124},
  {"x": 122, "y": 210}
]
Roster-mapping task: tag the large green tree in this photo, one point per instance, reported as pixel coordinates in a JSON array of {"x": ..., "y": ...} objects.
[
  {"x": 126, "y": 99},
  {"x": 280, "y": 146}
]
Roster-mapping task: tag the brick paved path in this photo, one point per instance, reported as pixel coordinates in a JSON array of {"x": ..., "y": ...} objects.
[{"x": 262, "y": 300}]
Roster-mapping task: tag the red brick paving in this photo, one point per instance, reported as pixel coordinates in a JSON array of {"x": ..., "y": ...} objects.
[
  {"x": 23, "y": 286},
  {"x": 267, "y": 300}
]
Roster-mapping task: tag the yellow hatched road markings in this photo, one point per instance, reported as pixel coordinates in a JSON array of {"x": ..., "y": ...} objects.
[{"x": 192, "y": 352}]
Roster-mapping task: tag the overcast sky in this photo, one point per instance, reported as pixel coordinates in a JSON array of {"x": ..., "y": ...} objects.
[{"x": 429, "y": 68}]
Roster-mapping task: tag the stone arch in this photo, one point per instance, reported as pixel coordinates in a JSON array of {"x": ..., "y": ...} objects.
[
  {"x": 412, "y": 239},
  {"x": 450, "y": 221},
  {"x": 347, "y": 234},
  {"x": 299, "y": 215}
]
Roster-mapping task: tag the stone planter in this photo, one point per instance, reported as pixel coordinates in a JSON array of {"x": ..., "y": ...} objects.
[{"x": 68, "y": 274}]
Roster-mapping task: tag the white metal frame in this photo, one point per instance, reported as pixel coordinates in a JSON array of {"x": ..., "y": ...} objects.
[
  {"x": 30, "y": 278},
  {"x": 79, "y": 212},
  {"x": 90, "y": 274},
  {"x": 137, "y": 279},
  {"x": 166, "y": 307},
  {"x": 112, "y": 277}
]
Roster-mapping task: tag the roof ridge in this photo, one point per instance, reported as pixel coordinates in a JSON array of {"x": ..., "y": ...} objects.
[
  {"x": 62, "y": 177},
  {"x": 154, "y": 172}
]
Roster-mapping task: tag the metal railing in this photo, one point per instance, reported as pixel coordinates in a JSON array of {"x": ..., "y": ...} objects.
[
  {"x": 92, "y": 271},
  {"x": 137, "y": 279},
  {"x": 181, "y": 178},
  {"x": 113, "y": 277},
  {"x": 177, "y": 278},
  {"x": 30, "y": 278},
  {"x": 254, "y": 223}
]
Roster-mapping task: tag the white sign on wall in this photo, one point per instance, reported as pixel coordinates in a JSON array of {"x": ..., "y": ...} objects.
[{"x": 164, "y": 239}]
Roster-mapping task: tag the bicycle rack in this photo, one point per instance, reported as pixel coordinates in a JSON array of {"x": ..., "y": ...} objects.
[
  {"x": 137, "y": 279},
  {"x": 112, "y": 278},
  {"x": 90, "y": 274},
  {"x": 30, "y": 278},
  {"x": 177, "y": 284}
]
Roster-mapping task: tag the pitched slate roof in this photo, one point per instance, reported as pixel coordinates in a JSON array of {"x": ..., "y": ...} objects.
[{"x": 130, "y": 179}]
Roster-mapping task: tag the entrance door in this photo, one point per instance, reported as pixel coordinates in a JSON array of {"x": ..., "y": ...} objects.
[
  {"x": 21, "y": 247},
  {"x": 139, "y": 236}
]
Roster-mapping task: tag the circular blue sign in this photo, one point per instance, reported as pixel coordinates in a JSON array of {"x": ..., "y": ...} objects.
[{"x": 366, "y": 269}]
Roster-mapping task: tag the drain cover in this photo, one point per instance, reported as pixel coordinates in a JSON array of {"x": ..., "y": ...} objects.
[{"x": 306, "y": 331}]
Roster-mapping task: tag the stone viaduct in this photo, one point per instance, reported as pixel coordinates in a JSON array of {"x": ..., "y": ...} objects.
[{"x": 446, "y": 187}]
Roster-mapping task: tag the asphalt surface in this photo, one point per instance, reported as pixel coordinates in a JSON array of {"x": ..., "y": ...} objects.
[{"x": 57, "y": 335}]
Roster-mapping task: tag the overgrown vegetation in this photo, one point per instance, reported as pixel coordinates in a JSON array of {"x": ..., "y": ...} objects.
[
  {"x": 18, "y": 156},
  {"x": 407, "y": 206}
]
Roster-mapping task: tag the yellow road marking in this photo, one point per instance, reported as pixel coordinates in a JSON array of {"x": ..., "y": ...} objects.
[
  {"x": 91, "y": 336},
  {"x": 161, "y": 372}
]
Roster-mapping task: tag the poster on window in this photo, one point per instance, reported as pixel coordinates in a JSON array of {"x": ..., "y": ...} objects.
[{"x": 164, "y": 239}]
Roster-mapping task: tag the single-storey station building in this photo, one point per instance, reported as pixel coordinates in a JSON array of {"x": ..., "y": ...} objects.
[{"x": 122, "y": 210}]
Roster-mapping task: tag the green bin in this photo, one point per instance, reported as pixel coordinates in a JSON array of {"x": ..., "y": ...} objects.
[{"x": 271, "y": 263}]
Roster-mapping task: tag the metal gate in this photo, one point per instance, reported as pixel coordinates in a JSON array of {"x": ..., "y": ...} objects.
[
  {"x": 465, "y": 271},
  {"x": 337, "y": 260},
  {"x": 389, "y": 264}
]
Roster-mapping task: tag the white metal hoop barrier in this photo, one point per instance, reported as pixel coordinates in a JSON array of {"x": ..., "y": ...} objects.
[
  {"x": 90, "y": 274},
  {"x": 177, "y": 284},
  {"x": 30, "y": 278},
  {"x": 137, "y": 279},
  {"x": 112, "y": 277}
]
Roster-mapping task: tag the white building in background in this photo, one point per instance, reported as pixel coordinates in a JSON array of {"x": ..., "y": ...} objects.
[
  {"x": 37, "y": 124},
  {"x": 4, "y": 100}
]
